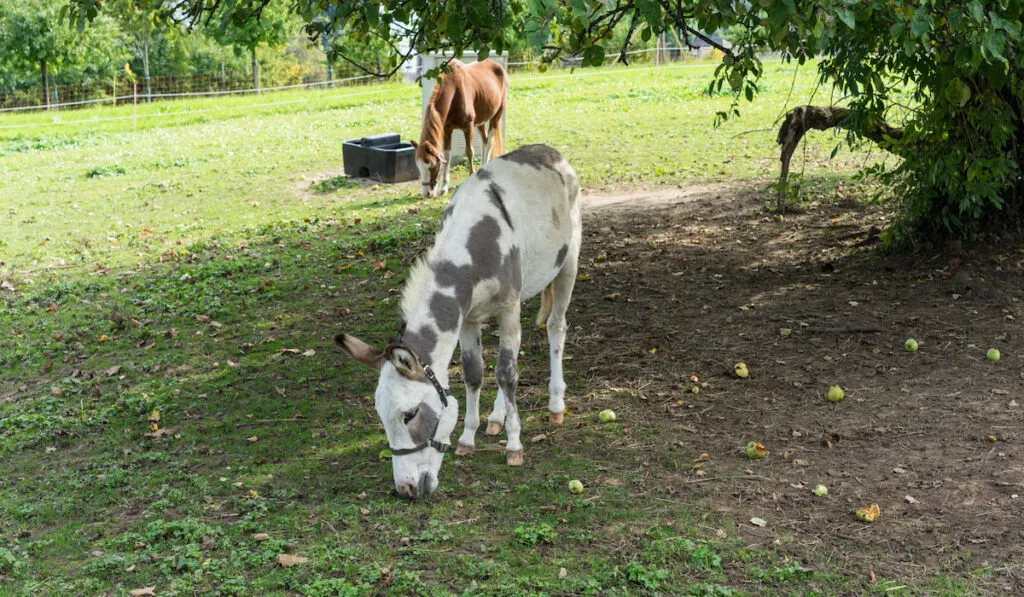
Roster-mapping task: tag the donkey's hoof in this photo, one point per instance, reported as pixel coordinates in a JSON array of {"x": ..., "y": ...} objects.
[
  {"x": 494, "y": 428},
  {"x": 556, "y": 418},
  {"x": 463, "y": 450},
  {"x": 514, "y": 458}
]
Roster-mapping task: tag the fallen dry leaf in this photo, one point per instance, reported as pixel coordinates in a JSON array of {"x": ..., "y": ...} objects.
[
  {"x": 1000, "y": 391},
  {"x": 161, "y": 432},
  {"x": 309, "y": 353},
  {"x": 143, "y": 592},
  {"x": 113, "y": 370},
  {"x": 562, "y": 573},
  {"x": 911, "y": 499},
  {"x": 364, "y": 511},
  {"x": 253, "y": 439},
  {"x": 287, "y": 560},
  {"x": 538, "y": 438},
  {"x": 261, "y": 536},
  {"x": 760, "y": 522}
]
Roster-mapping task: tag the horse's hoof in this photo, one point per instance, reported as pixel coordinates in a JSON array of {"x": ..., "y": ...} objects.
[
  {"x": 494, "y": 428},
  {"x": 464, "y": 450},
  {"x": 556, "y": 418},
  {"x": 514, "y": 458}
]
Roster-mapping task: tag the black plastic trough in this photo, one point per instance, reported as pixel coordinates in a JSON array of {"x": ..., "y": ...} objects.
[{"x": 380, "y": 157}]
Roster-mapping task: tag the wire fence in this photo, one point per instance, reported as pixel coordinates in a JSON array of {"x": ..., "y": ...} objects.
[{"x": 121, "y": 90}]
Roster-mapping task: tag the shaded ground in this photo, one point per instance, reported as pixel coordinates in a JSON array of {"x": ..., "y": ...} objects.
[{"x": 690, "y": 281}]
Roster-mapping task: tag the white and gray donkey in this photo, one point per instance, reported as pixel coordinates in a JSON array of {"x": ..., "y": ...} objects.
[{"x": 510, "y": 232}]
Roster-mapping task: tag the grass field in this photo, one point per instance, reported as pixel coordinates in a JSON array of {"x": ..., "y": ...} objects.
[{"x": 187, "y": 276}]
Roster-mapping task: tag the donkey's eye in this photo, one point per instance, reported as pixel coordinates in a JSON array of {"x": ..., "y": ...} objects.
[{"x": 410, "y": 415}]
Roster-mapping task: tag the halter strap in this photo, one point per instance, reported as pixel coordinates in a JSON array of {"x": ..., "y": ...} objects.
[{"x": 444, "y": 394}]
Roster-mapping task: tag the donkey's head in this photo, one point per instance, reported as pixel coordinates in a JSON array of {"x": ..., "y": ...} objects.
[
  {"x": 429, "y": 160},
  {"x": 418, "y": 414}
]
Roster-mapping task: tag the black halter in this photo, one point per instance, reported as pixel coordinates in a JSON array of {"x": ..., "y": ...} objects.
[{"x": 444, "y": 394}]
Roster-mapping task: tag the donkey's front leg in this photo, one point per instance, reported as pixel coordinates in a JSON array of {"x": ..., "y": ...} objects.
[
  {"x": 473, "y": 374},
  {"x": 508, "y": 378}
]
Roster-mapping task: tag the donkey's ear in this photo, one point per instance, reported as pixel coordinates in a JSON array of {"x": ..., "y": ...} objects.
[
  {"x": 414, "y": 144},
  {"x": 440, "y": 158},
  {"x": 405, "y": 362},
  {"x": 360, "y": 351}
]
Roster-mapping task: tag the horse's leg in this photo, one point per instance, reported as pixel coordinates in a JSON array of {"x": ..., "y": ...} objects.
[
  {"x": 561, "y": 293},
  {"x": 443, "y": 183},
  {"x": 473, "y": 374},
  {"x": 488, "y": 139},
  {"x": 468, "y": 131},
  {"x": 507, "y": 374}
]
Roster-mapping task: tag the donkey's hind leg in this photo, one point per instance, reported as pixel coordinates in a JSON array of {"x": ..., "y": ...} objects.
[
  {"x": 561, "y": 292},
  {"x": 473, "y": 374},
  {"x": 496, "y": 420}
]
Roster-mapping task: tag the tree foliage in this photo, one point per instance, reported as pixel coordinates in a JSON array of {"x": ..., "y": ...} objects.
[{"x": 949, "y": 72}]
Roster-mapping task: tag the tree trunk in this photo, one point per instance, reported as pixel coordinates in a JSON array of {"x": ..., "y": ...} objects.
[
  {"x": 801, "y": 119},
  {"x": 255, "y": 71},
  {"x": 46, "y": 84}
]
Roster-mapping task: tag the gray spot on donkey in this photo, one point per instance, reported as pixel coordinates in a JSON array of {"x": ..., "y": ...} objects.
[{"x": 480, "y": 267}]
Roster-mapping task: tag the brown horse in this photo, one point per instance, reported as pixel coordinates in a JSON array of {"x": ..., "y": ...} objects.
[{"x": 465, "y": 97}]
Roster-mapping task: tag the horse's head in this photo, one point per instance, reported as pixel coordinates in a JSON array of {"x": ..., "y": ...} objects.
[
  {"x": 417, "y": 421},
  {"x": 429, "y": 160}
]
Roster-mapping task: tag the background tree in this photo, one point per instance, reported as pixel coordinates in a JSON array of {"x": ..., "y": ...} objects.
[
  {"x": 267, "y": 27},
  {"x": 36, "y": 43}
]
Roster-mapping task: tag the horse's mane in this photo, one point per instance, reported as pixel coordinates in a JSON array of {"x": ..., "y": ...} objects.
[{"x": 433, "y": 124}]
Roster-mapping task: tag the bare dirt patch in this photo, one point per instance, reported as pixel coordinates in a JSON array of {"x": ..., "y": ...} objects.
[{"x": 690, "y": 281}]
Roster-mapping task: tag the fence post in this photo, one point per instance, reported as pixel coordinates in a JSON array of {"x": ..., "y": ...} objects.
[
  {"x": 149, "y": 91},
  {"x": 115, "y": 91},
  {"x": 223, "y": 81},
  {"x": 135, "y": 107}
]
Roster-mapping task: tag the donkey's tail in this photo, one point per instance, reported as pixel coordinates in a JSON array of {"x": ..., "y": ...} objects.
[{"x": 546, "y": 297}]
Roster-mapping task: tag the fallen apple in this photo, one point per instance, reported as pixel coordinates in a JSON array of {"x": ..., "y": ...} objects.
[
  {"x": 835, "y": 394},
  {"x": 741, "y": 370},
  {"x": 992, "y": 354},
  {"x": 606, "y": 416},
  {"x": 869, "y": 513},
  {"x": 756, "y": 451},
  {"x": 910, "y": 345},
  {"x": 575, "y": 486},
  {"x": 820, "y": 491}
]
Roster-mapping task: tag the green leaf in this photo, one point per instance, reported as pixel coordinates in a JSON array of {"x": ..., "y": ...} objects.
[
  {"x": 958, "y": 92},
  {"x": 977, "y": 12},
  {"x": 994, "y": 42},
  {"x": 456, "y": 27},
  {"x": 847, "y": 17}
]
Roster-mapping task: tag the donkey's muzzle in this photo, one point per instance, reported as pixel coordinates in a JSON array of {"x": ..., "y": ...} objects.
[{"x": 411, "y": 491}]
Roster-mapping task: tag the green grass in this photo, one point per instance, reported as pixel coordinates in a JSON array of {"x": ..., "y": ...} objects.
[
  {"x": 184, "y": 269},
  {"x": 82, "y": 188}
]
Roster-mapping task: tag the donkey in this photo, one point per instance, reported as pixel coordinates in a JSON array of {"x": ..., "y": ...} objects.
[
  {"x": 511, "y": 231},
  {"x": 465, "y": 97}
]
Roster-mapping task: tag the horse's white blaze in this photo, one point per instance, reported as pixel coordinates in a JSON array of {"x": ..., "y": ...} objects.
[{"x": 509, "y": 232}]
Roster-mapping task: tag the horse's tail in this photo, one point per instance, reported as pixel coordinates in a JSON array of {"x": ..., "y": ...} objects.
[
  {"x": 546, "y": 298},
  {"x": 498, "y": 148}
]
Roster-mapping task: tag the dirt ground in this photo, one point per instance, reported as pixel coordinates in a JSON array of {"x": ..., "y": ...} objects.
[{"x": 689, "y": 281}]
